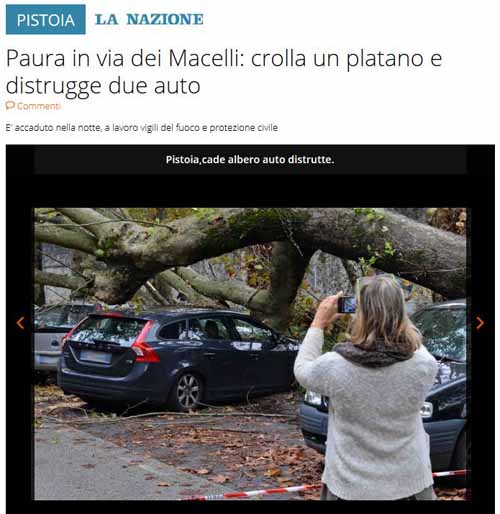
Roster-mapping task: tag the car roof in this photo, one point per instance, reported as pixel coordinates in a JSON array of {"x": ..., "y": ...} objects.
[
  {"x": 163, "y": 314},
  {"x": 65, "y": 304}
]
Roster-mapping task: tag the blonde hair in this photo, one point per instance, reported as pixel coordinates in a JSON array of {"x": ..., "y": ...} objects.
[{"x": 381, "y": 314}]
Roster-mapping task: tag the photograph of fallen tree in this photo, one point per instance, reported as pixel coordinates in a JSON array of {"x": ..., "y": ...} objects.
[{"x": 203, "y": 277}]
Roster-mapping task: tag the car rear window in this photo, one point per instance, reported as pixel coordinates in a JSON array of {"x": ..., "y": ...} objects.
[
  {"x": 61, "y": 316},
  {"x": 108, "y": 329},
  {"x": 444, "y": 332},
  {"x": 50, "y": 317}
]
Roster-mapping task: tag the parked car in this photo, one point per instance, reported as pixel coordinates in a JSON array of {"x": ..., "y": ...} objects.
[
  {"x": 52, "y": 322},
  {"x": 178, "y": 358},
  {"x": 444, "y": 413}
]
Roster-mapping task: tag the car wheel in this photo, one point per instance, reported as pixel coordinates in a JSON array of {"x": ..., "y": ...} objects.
[
  {"x": 186, "y": 393},
  {"x": 41, "y": 377},
  {"x": 462, "y": 456}
]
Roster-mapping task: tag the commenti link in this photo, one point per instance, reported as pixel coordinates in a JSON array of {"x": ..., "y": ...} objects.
[{"x": 23, "y": 106}]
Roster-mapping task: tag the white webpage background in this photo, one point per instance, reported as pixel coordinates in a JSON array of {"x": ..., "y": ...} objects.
[{"x": 454, "y": 104}]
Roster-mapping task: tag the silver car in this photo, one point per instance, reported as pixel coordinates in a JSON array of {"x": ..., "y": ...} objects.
[{"x": 52, "y": 322}]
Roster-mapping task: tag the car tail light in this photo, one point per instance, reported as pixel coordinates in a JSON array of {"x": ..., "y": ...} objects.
[
  {"x": 313, "y": 398},
  {"x": 427, "y": 410},
  {"x": 66, "y": 338},
  {"x": 142, "y": 349}
]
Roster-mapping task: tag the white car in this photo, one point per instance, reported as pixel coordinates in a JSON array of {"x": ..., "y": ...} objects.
[{"x": 52, "y": 322}]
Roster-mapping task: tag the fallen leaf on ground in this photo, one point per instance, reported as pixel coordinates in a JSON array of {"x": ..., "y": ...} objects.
[
  {"x": 273, "y": 472},
  {"x": 163, "y": 484},
  {"x": 203, "y": 471},
  {"x": 220, "y": 479}
]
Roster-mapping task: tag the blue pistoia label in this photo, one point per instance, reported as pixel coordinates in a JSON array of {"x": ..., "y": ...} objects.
[{"x": 45, "y": 19}]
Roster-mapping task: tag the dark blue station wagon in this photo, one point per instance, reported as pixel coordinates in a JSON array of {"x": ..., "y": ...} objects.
[{"x": 179, "y": 358}]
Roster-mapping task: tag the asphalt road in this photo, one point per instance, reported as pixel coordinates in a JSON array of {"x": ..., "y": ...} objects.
[{"x": 75, "y": 465}]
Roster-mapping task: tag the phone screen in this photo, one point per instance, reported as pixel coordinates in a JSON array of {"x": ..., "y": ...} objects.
[{"x": 347, "y": 304}]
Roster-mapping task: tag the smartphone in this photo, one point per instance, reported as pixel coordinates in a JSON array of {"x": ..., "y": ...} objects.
[{"x": 347, "y": 305}]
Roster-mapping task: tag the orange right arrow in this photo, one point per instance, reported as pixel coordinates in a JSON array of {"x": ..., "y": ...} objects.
[{"x": 481, "y": 322}]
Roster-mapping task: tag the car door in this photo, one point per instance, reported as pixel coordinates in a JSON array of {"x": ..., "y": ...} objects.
[
  {"x": 268, "y": 366},
  {"x": 225, "y": 363}
]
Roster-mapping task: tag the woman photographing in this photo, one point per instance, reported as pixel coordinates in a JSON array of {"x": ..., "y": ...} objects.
[{"x": 376, "y": 382}]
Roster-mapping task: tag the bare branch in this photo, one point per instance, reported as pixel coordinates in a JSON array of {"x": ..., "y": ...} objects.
[
  {"x": 66, "y": 281},
  {"x": 86, "y": 217},
  {"x": 191, "y": 295},
  {"x": 156, "y": 294},
  {"x": 64, "y": 237},
  {"x": 223, "y": 290}
]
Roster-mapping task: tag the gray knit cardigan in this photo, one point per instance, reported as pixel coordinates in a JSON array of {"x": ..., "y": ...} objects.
[{"x": 377, "y": 448}]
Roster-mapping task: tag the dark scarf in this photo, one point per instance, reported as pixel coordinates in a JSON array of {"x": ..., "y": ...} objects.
[{"x": 377, "y": 357}]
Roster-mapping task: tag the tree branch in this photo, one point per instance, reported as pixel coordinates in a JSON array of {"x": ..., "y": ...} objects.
[
  {"x": 88, "y": 217},
  {"x": 67, "y": 238},
  {"x": 73, "y": 282},
  {"x": 189, "y": 293},
  {"x": 233, "y": 290},
  {"x": 156, "y": 294}
]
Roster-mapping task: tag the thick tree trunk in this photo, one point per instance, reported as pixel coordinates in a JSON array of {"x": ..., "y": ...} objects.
[{"x": 289, "y": 264}]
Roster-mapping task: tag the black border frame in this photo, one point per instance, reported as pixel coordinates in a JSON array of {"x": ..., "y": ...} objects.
[{"x": 473, "y": 188}]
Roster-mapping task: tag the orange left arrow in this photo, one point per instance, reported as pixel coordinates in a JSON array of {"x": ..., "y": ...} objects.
[{"x": 19, "y": 323}]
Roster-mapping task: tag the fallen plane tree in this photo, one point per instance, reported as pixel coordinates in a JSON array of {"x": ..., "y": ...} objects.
[{"x": 129, "y": 253}]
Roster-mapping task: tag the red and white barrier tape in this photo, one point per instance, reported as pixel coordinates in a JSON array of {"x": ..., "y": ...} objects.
[
  {"x": 458, "y": 472},
  {"x": 294, "y": 489}
]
